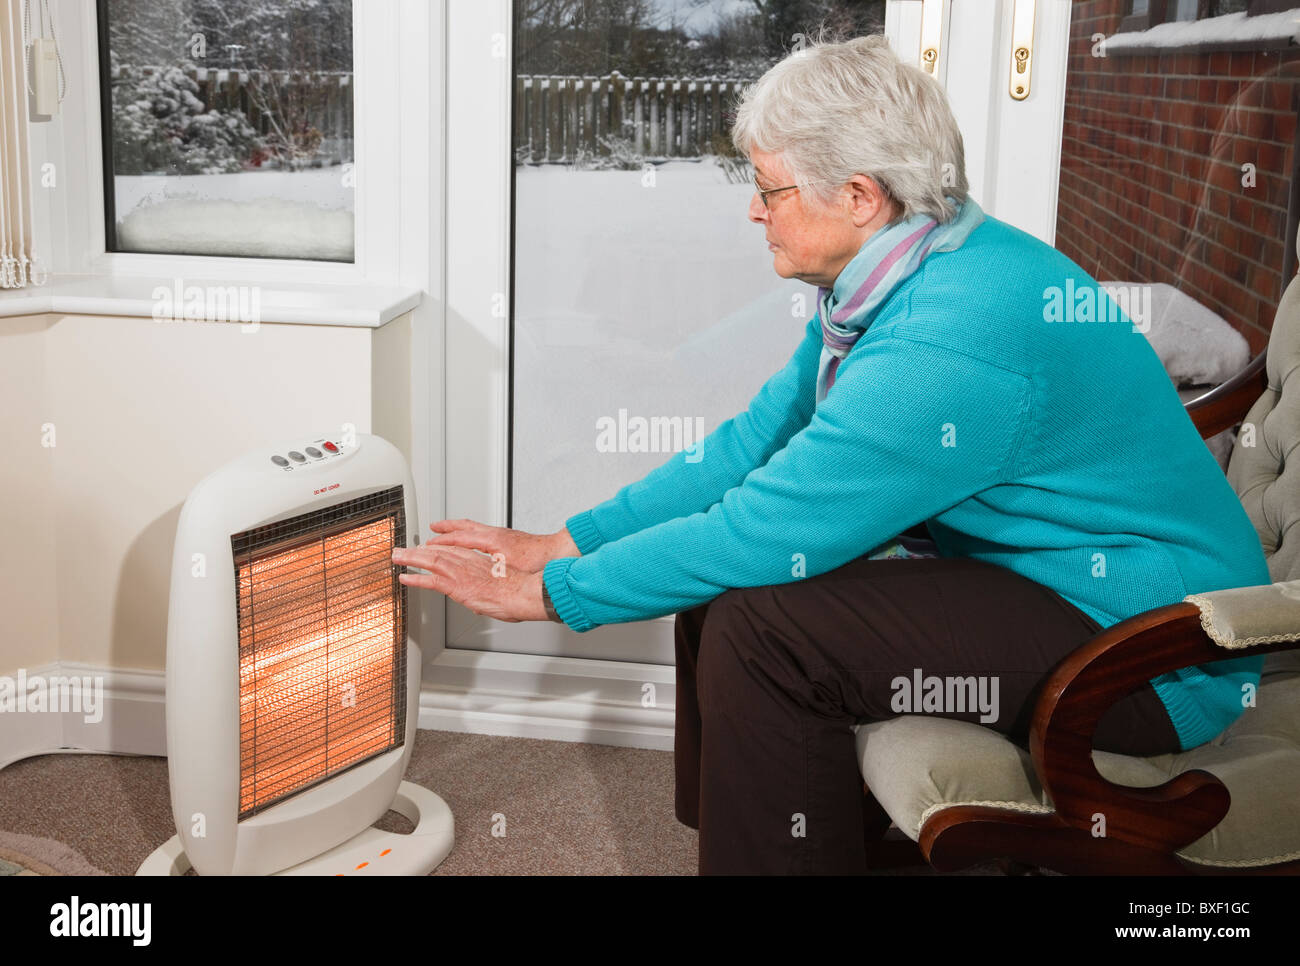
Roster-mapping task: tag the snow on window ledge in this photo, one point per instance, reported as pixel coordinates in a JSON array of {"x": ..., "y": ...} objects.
[
  {"x": 1231, "y": 30},
  {"x": 199, "y": 299}
]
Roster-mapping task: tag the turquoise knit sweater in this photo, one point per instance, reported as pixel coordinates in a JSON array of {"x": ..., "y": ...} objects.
[{"x": 1057, "y": 449}]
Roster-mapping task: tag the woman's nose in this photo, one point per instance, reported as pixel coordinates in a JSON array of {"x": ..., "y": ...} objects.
[{"x": 757, "y": 210}]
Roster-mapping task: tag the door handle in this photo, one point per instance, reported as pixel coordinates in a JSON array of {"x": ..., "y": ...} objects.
[
  {"x": 931, "y": 35},
  {"x": 1022, "y": 49}
]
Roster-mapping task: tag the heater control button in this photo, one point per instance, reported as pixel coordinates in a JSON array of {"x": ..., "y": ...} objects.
[
  {"x": 279, "y": 461},
  {"x": 297, "y": 457},
  {"x": 330, "y": 447},
  {"x": 314, "y": 453}
]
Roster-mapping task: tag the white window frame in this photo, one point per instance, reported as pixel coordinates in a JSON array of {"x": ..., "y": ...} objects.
[
  {"x": 1013, "y": 148},
  {"x": 521, "y": 687},
  {"x": 377, "y": 208}
]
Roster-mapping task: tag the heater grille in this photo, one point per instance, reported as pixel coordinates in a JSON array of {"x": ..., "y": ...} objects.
[{"x": 322, "y": 645}]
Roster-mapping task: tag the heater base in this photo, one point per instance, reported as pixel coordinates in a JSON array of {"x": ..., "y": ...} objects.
[{"x": 370, "y": 852}]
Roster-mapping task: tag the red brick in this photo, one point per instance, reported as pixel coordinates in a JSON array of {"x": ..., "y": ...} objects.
[
  {"x": 1250, "y": 95},
  {"x": 1269, "y": 157},
  {"x": 1241, "y": 63},
  {"x": 1277, "y": 190},
  {"x": 1265, "y": 221},
  {"x": 1260, "y": 279},
  {"x": 1278, "y": 95},
  {"x": 1241, "y": 210},
  {"x": 1237, "y": 267},
  {"x": 1228, "y": 235},
  {"x": 1272, "y": 253},
  {"x": 1265, "y": 313},
  {"x": 1255, "y": 125},
  {"x": 1283, "y": 128}
]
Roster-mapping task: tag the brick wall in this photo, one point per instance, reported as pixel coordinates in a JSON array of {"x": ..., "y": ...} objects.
[{"x": 1151, "y": 168}]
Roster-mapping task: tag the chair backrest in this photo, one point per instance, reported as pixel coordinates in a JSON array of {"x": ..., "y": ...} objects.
[
  {"x": 1258, "y": 470},
  {"x": 1269, "y": 488}
]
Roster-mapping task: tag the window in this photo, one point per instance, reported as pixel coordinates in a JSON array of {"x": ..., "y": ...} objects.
[
  {"x": 1144, "y": 14},
  {"x": 637, "y": 273},
  {"x": 646, "y": 308},
  {"x": 1217, "y": 8},
  {"x": 228, "y": 127}
]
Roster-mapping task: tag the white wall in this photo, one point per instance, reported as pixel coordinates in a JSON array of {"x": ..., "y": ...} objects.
[
  {"x": 29, "y": 617},
  {"x": 142, "y": 410}
]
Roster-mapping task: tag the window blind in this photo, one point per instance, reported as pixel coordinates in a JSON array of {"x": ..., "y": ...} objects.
[{"x": 16, "y": 247}]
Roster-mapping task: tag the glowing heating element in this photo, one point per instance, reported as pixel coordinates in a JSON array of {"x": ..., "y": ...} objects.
[{"x": 322, "y": 646}]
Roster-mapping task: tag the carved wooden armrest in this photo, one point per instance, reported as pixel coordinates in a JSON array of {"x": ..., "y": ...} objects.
[
  {"x": 1226, "y": 405},
  {"x": 1084, "y": 685}
]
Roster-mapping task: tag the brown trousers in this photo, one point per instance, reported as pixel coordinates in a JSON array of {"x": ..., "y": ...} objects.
[{"x": 770, "y": 681}]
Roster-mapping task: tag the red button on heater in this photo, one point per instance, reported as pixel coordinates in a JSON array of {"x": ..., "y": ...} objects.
[{"x": 330, "y": 447}]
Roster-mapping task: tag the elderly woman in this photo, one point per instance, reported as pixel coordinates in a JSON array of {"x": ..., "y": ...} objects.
[{"x": 941, "y": 483}]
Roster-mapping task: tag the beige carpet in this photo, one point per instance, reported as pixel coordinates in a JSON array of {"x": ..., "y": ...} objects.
[{"x": 570, "y": 809}]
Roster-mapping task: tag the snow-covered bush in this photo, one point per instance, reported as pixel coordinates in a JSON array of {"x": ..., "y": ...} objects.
[
  {"x": 737, "y": 170},
  {"x": 160, "y": 126},
  {"x": 620, "y": 153}
]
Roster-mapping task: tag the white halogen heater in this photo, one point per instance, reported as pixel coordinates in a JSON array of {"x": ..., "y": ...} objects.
[{"x": 292, "y": 687}]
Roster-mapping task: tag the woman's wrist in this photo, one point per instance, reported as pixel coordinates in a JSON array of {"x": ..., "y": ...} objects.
[
  {"x": 547, "y": 605},
  {"x": 562, "y": 544}
]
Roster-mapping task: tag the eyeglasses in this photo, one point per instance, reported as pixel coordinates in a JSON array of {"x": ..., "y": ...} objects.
[{"x": 764, "y": 192}]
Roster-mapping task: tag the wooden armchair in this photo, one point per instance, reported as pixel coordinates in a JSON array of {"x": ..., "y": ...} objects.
[{"x": 964, "y": 794}]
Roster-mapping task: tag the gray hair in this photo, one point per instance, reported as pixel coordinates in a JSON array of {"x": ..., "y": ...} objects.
[{"x": 833, "y": 110}]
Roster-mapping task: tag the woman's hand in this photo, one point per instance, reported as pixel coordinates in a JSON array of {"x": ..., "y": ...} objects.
[
  {"x": 528, "y": 552},
  {"x": 485, "y": 584}
]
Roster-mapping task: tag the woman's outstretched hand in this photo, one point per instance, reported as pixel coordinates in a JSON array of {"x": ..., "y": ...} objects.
[
  {"x": 494, "y": 571},
  {"x": 527, "y": 552},
  {"x": 483, "y": 583}
]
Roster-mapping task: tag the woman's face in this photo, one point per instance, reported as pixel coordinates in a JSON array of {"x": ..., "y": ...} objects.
[{"x": 810, "y": 240}]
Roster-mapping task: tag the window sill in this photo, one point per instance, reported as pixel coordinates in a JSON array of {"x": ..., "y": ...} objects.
[
  {"x": 367, "y": 306},
  {"x": 1233, "y": 31}
]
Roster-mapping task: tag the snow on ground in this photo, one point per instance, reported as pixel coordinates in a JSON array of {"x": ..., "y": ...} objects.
[
  {"x": 658, "y": 300},
  {"x": 1229, "y": 29},
  {"x": 267, "y": 214}
]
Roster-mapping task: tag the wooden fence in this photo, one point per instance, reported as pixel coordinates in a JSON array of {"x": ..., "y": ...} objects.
[
  {"x": 321, "y": 99},
  {"x": 558, "y": 117}
]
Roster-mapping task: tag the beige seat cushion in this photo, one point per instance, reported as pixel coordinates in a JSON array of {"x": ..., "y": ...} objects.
[{"x": 916, "y": 765}]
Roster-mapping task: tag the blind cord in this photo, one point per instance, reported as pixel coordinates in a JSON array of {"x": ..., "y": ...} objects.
[{"x": 44, "y": 15}]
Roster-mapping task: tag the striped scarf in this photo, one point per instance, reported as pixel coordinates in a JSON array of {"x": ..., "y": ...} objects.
[{"x": 888, "y": 257}]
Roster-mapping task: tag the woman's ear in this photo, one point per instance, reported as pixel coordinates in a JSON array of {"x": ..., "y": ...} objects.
[{"x": 868, "y": 200}]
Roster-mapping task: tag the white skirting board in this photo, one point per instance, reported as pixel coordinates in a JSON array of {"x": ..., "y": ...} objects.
[
  {"x": 130, "y": 721},
  {"x": 133, "y": 720}
]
